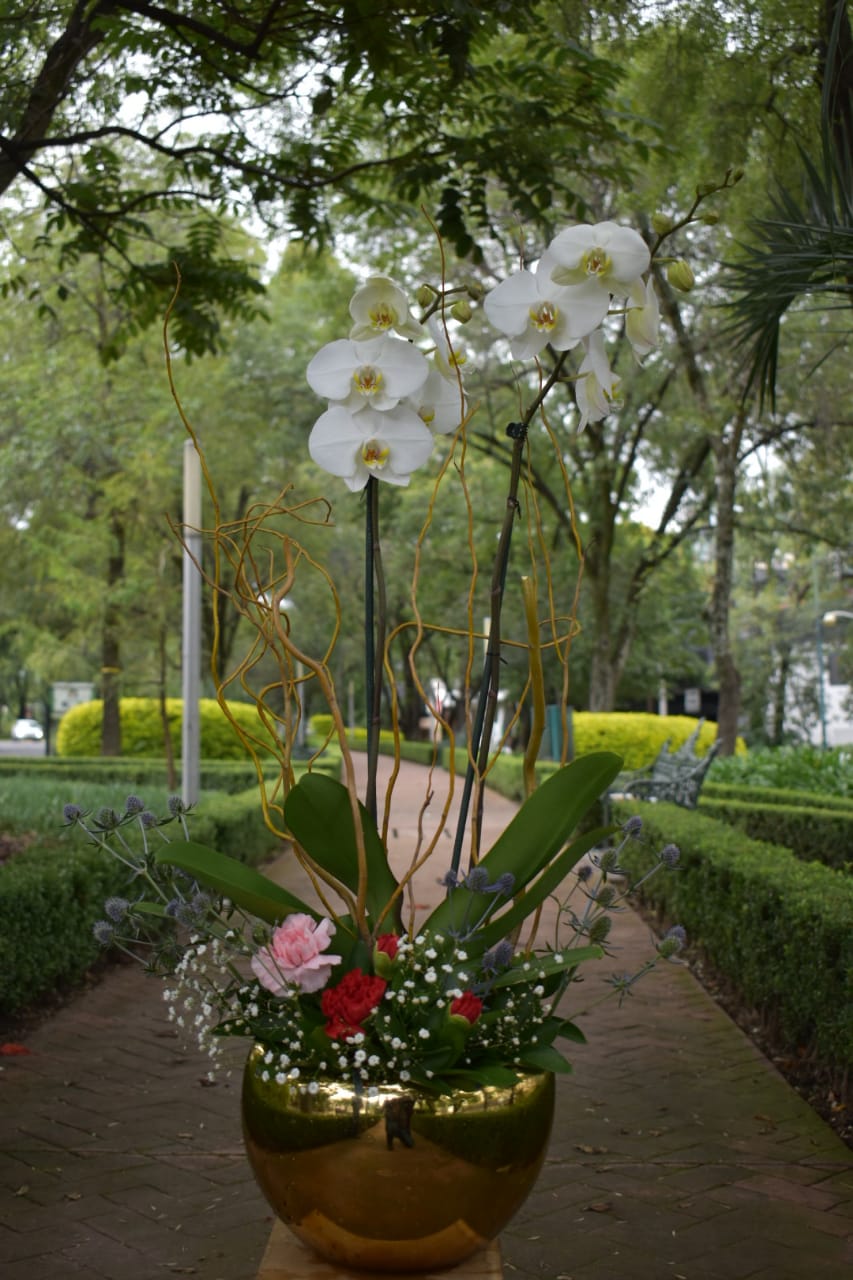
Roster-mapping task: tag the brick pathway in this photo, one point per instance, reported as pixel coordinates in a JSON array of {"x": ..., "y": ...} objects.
[{"x": 678, "y": 1152}]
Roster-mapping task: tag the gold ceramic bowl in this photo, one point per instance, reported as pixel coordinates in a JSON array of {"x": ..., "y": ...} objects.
[{"x": 402, "y": 1181}]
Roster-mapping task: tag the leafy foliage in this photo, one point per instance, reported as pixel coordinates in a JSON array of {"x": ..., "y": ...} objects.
[{"x": 144, "y": 129}]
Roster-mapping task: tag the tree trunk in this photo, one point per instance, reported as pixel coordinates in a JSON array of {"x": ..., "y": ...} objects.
[
  {"x": 780, "y": 693},
  {"x": 111, "y": 648}
]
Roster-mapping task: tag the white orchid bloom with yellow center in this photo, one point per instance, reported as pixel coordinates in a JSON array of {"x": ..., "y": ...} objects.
[
  {"x": 642, "y": 322},
  {"x": 440, "y": 403},
  {"x": 390, "y": 444},
  {"x": 380, "y": 306},
  {"x": 605, "y": 255},
  {"x": 448, "y": 358},
  {"x": 534, "y": 312},
  {"x": 597, "y": 386},
  {"x": 377, "y": 374}
]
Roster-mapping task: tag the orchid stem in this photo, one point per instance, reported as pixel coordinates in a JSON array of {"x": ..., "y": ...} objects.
[
  {"x": 481, "y": 730},
  {"x": 487, "y": 700},
  {"x": 374, "y": 617}
]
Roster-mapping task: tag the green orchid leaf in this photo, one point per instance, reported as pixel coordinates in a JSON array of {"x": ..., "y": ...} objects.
[
  {"x": 544, "y": 1057},
  {"x": 538, "y": 831},
  {"x": 319, "y": 815},
  {"x": 541, "y": 967},
  {"x": 479, "y": 1077},
  {"x": 549, "y": 882},
  {"x": 571, "y": 1031},
  {"x": 249, "y": 889}
]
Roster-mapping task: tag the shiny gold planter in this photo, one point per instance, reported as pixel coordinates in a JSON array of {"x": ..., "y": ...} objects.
[{"x": 403, "y": 1181}]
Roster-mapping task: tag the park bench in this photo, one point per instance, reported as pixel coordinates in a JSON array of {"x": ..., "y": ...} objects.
[{"x": 676, "y": 776}]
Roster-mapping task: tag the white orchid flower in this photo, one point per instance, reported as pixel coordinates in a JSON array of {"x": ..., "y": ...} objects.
[
  {"x": 613, "y": 257},
  {"x": 534, "y": 312},
  {"x": 642, "y": 322},
  {"x": 389, "y": 445},
  {"x": 597, "y": 386},
  {"x": 378, "y": 307},
  {"x": 378, "y": 374},
  {"x": 448, "y": 358},
  {"x": 439, "y": 403}
]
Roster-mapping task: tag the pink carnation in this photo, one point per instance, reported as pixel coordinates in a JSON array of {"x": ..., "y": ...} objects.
[{"x": 295, "y": 955}]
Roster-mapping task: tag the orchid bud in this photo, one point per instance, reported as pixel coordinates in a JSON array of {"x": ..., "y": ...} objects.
[
  {"x": 680, "y": 275},
  {"x": 662, "y": 223},
  {"x": 710, "y": 219},
  {"x": 425, "y": 295},
  {"x": 461, "y": 311}
]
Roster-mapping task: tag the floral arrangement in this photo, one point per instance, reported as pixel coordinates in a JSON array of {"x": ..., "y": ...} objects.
[{"x": 354, "y": 984}]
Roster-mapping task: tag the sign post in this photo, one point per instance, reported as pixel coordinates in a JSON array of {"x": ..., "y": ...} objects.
[{"x": 191, "y": 645}]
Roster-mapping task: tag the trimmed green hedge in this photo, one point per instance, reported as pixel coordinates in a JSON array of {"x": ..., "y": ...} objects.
[
  {"x": 774, "y": 795},
  {"x": 820, "y": 835},
  {"x": 142, "y": 774},
  {"x": 781, "y": 930},
  {"x": 51, "y": 896},
  {"x": 635, "y": 736},
  {"x": 79, "y": 732},
  {"x": 49, "y": 900}
]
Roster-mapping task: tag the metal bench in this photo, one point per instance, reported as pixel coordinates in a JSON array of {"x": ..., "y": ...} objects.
[{"x": 676, "y": 776}]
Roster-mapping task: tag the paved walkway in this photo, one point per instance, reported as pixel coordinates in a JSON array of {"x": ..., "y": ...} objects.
[{"x": 677, "y": 1152}]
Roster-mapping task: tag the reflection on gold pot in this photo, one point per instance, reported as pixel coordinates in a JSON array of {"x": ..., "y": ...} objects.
[{"x": 401, "y": 1180}]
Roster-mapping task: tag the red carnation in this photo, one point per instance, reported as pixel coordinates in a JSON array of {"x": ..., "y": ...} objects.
[
  {"x": 388, "y": 942},
  {"x": 467, "y": 1006},
  {"x": 347, "y": 1004}
]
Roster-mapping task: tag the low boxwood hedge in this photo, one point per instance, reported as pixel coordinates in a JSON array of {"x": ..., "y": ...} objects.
[
  {"x": 635, "y": 736},
  {"x": 140, "y": 774},
  {"x": 52, "y": 894},
  {"x": 822, "y": 835},
  {"x": 774, "y": 795},
  {"x": 779, "y": 929}
]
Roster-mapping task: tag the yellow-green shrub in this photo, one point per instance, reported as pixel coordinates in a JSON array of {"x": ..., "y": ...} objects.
[
  {"x": 637, "y": 736},
  {"x": 79, "y": 731}
]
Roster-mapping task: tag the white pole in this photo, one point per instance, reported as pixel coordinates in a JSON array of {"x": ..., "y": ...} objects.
[{"x": 191, "y": 647}]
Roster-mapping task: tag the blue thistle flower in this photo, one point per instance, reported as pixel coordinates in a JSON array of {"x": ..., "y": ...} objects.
[
  {"x": 133, "y": 805},
  {"x": 670, "y": 855},
  {"x": 103, "y": 932},
  {"x": 477, "y": 880},
  {"x": 72, "y": 813},
  {"x": 116, "y": 908},
  {"x": 498, "y": 957}
]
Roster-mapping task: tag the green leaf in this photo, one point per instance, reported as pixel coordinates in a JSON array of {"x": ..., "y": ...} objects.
[
  {"x": 570, "y": 1031},
  {"x": 544, "y": 1057},
  {"x": 148, "y": 909},
  {"x": 538, "y": 831},
  {"x": 544, "y": 966},
  {"x": 249, "y": 889},
  {"x": 319, "y": 815}
]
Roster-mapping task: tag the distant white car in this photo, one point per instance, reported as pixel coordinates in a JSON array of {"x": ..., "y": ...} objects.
[{"x": 22, "y": 729}]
